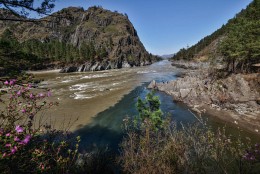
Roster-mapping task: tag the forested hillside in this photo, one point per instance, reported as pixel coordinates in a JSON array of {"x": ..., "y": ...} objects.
[
  {"x": 71, "y": 36},
  {"x": 237, "y": 43}
]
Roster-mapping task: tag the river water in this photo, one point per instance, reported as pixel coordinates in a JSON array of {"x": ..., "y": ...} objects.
[
  {"x": 101, "y": 100},
  {"x": 84, "y": 95}
]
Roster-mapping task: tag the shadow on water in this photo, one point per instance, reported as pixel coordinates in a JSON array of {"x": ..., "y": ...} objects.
[{"x": 106, "y": 128}]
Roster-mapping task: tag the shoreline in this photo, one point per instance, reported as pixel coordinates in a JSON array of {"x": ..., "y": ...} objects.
[
  {"x": 44, "y": 71},
  {"x": 214, "y": 98},
  {"x": 228, "y": 116}
]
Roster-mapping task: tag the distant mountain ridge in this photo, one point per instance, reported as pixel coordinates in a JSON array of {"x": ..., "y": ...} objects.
[
  {"x": 167, "y": 56},
  {"x": 99, "y": 38}
]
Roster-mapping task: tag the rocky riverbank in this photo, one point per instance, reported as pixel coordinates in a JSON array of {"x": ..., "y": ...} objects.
[
  {"x": 235, "y": 98},
  {"x": 104, "y": 65}
]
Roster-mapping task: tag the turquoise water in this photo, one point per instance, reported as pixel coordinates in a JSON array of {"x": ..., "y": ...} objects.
[{"x": 106, "y": 128}]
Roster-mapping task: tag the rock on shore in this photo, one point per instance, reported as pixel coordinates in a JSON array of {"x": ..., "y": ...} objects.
[{"x": 104, "y": 65}]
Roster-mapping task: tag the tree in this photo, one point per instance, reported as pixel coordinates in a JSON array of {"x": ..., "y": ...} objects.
[
  {"x": 149, "y": 110},
  {"x": 22, "y": 8}
]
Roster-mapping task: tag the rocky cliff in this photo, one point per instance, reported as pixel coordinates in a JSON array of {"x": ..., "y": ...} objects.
[{"x": 100, "y": 39}]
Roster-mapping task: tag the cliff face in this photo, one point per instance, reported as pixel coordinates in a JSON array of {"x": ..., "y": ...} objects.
[{"x": 106, "y": 31}]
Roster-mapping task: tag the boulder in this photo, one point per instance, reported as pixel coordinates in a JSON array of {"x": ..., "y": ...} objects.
[
  {"x": 81, "y": 68},
  {"x": 69, "y": 69},
  {"x": 152, "y": 85},
  {"x": 184, "y": 92},
  {"x": 126, "y": 65}
]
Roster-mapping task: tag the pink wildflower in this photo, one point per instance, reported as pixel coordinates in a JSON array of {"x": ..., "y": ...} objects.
[
  {"x": 19, "y": 93},
  {"x": 4, "y": 155},
  {"x": 19, "y": 129},
  {"x": 8, "y": 145},
  {"x": 12, "y": 82},
  {"x": 31, "y": 95},
  {"x": 23, "y": 110},
  {"x": 16, "y": 139},
  {"x": 8, "y": 134},
  {"x": 13, "y": 150},
  {"x": 6, "y": 82},
  {"x": 26, "y": 140},
  {"x": 41, "y": 95}
]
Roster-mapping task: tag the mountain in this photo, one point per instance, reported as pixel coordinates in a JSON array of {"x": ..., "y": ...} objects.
[
  {"x": 81, "y": 40},
  {"x": 236, "y": 44},
  {"x": 167, "y": 56}
]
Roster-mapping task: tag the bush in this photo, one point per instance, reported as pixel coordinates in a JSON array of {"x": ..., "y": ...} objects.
[
  {"x": 192, "y": 149},
  {"x": 27, "y": 147}
]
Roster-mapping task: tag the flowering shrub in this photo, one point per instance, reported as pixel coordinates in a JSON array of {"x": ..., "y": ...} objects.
[
  {"x": 252, "y": 156},
  {"x": 22, "y": 105},
  {"x": 27, "y": 147},
  {"x": 11, "y": 141}
]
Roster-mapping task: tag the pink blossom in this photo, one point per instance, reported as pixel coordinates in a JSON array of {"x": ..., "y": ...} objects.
[
  {"x": 8, "y": 145},
  {"x": 41, "y": 95},
  {"x": 13, "y": 150},
  {"x": 31, "y": 95},
  {"x": 4, "y": 155},
  {"x": 6, "y": 82},
  {"x": 19, "y": 129},
  {"x": 23, "y": 110},
  {"x": 26, "y": 140},
  {"x": 19, "y": 93},
  {"x": 8, "y": 134},
  {"x": 16, "y": 139},
  {"x": 12, "y": 82}
]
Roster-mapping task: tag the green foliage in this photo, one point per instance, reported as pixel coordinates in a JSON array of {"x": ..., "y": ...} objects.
[
  {"x": 21, "y": 7},
  {"x": 241, "y": 45},
  {"x": 149, "y": 110},
  {"x": 34, "y": 54},
  {"x": 192, "y": 148},
  {"x": 239, "y": 41}
]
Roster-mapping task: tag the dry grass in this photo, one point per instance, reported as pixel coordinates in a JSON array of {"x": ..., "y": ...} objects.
[{"x": 193, "y": 149}]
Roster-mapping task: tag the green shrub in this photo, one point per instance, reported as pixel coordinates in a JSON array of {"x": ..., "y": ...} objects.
[{"x": 192, "y": 149}]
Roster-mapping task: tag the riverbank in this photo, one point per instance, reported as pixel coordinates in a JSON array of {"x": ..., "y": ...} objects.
[
  {"x": 234, "y": 99},
  {"x": 44, "y": 71}
]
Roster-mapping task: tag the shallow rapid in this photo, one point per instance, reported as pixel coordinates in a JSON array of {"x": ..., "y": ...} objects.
[
  {"x": 83, "y": 95},
  {"x": 101, "y": 100}
]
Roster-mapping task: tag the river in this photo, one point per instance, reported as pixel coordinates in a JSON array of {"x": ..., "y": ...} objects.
[{"x": 101, "y": 100}]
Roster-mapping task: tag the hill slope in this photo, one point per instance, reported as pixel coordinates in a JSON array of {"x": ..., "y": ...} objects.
[
  {"x": 237, "y": 43},
  {"x": 96, "y": 38}
]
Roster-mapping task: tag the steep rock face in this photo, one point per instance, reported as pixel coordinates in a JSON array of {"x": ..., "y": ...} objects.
[{"x": 111, "y": 31}]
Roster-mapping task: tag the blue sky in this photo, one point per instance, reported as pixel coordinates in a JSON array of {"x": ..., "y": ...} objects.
[{"x": 165, "y": 26}]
